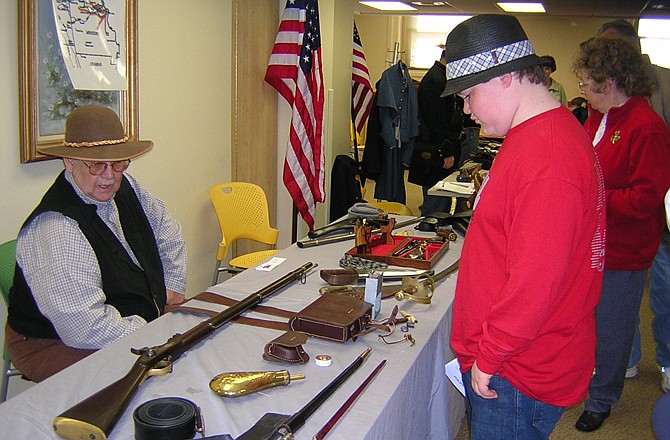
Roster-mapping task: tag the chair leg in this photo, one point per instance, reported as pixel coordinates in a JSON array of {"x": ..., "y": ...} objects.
[
  {"x": 4, "y": 387},
  {"x": 217, "y": 270}
]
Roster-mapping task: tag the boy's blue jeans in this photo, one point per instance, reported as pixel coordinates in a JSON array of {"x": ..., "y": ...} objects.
[{"x": 511, "y": 416}]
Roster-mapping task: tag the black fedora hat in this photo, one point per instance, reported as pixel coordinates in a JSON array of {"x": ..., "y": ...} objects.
[{"x": 485, "y": 47}]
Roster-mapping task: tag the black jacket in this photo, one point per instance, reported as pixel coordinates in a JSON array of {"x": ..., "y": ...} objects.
[
  {"x": 441, "y": 124},
  {"x": 130, "y": 289}
]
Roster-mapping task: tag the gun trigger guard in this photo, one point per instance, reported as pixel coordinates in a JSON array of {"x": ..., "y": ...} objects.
[{"x": 161, "y": 368}]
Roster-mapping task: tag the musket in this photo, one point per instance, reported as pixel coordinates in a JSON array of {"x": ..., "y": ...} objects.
[
  {"x": 281, "y": 427},
  {"x": 95, "y": 417}
]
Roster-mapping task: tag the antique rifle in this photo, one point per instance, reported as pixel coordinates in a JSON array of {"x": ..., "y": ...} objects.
[{"x": 95, "y": 417}]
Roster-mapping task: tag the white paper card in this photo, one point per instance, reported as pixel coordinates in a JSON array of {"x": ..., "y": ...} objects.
[
  {"x": 453, "y": 372},
  {"x": 270, "y": 264}
]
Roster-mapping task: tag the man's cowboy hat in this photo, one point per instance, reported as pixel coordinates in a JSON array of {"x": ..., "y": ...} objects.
[
  {"x": 484, "y": 47},
  {"x": 94, "y": 132}
]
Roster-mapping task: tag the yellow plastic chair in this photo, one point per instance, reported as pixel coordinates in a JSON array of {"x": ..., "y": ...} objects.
[
  {"x": 242, "y": 211},
  {"x": 390, "y": 207},
  {"x": 393, "y": 207},
  {"x": 7, "y": 265}
]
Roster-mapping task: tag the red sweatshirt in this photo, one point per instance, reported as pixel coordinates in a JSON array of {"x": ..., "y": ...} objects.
[
  {"x": 531, "y": 267},
  {"x": 634, "y": 154}
]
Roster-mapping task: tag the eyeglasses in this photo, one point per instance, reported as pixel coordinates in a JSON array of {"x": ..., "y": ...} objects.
[
  {"x": 97, "y": 168},
  {"x": 582, "y": 85}
]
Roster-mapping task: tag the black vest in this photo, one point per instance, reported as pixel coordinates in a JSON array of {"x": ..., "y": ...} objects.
[{"x": 130, "y": 289}]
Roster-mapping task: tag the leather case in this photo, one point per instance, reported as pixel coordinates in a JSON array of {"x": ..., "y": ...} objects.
[
  {"x": 287, "y": 348},
  {"x": 333, "y": 317}
]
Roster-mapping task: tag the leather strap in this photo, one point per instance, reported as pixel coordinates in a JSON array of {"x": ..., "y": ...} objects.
[
  {"x": 256, "y": 322},
  {"x": 224, "y": 300}
]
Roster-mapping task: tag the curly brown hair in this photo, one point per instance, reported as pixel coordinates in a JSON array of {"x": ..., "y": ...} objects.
[{"x": 602, "y": 58}]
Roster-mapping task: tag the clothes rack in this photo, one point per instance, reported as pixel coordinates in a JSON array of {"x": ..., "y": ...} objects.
[{"x": 396, "y": 54}]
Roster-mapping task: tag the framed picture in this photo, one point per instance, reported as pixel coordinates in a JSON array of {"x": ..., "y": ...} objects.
[{"x": 46, "y": 94}]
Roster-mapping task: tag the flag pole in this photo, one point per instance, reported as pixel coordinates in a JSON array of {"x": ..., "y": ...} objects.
[
  {"x": 294, "y": 224},
  {"x": 356, "y": 158}
]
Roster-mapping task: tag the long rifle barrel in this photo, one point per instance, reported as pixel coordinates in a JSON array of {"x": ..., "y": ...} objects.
[{"x": 95, "y": 417}]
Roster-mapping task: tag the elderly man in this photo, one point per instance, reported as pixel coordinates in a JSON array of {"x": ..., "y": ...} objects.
[{"x": 98, "y": 258}]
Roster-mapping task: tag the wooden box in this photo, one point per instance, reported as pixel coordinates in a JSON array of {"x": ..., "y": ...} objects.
[{"x": 399, "y": 254}]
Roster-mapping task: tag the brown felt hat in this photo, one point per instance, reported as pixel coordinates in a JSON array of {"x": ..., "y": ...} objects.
[
  {"x": 484, "y": 47},
  {"x": 95, "y": 132}
]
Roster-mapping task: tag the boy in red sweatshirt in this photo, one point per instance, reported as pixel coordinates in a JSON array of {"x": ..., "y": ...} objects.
[{"x": 531, "y": 268}]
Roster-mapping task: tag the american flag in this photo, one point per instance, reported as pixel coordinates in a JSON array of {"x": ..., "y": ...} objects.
[
  {"x": 295, "y": 71},
  {"x": 361, "y": 89}
]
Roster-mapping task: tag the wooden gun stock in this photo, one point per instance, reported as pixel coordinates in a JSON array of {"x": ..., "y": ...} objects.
[{"x": 95, "y": 417}]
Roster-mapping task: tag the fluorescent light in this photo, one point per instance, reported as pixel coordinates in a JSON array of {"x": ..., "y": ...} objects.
[
  {"x": 389, "y": 6},
  {"x": 521, "y": 7}
]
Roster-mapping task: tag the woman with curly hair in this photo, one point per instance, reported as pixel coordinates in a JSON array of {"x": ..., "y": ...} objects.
[{"x": 632, "y": 144}]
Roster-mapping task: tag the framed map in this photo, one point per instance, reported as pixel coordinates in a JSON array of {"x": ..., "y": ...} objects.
[{"x": 46, "y": 94}]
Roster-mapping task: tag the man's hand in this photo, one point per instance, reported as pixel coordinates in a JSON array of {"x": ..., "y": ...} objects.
[
  {"x": 480, "y": 383},
  {"x": 448, "y": 162},
  {"x": 174, "y": 298}
]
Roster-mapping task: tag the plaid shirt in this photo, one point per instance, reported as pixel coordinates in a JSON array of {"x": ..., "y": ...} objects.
[{"x": 62, "y": 269}]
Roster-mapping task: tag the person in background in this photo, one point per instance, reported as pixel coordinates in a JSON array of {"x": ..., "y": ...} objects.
[
  {"x": 661, "y": 414},
  {"x": 470, "y": 142},
  {"x": 437, "y": 149},
  {"x": 97, "y": 259},
  {"x": 633, "y": 147},
  {"x": 555, "y": 88},
  {"x": 659, "y": 286},
  {"x": 523, "y": 322},
  {"x": 578, "y": 107}
]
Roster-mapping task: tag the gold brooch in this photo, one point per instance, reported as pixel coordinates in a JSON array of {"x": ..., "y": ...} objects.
[{"x": 615, "y": 137}]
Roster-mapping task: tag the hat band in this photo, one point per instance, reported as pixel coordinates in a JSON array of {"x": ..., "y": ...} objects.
[
  {"x": 486, "y": 60},
  {"x": 96, "y": 143}
]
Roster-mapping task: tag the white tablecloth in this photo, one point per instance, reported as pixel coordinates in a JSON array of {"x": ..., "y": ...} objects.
[{"x": 411, "y": 398}]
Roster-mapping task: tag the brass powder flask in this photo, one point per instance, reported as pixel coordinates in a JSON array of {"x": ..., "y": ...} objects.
[{"x": 238, "y": 384}]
